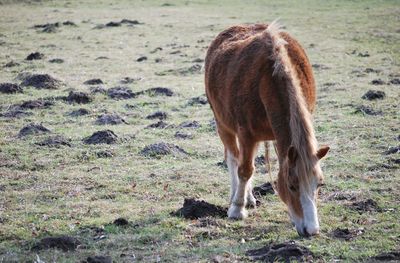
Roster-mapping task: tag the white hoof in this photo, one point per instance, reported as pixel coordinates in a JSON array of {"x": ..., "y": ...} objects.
[
  {"x": 251, "y": 200},
  {"x": 237, "y": 212}
]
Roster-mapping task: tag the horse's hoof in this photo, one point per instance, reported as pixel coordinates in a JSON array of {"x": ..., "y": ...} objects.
[
  {"x": 237, "y": 212},
  {"x": 251, "y": 201}
]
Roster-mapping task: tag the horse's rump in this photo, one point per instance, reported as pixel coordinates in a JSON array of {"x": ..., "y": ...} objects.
[{"x": 240, "y": 84}]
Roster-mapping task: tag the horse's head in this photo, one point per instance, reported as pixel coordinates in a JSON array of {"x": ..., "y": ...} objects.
[{"x": 298, "y": 186}]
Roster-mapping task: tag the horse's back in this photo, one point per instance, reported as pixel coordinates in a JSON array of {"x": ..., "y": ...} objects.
[{"x": 238, "y": 70}]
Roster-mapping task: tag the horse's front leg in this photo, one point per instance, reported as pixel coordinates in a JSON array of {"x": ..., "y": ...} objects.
[{"x": 237, "y": 209}]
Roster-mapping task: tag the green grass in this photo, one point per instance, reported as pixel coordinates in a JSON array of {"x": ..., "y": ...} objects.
[{"x": 68, "y": 191}]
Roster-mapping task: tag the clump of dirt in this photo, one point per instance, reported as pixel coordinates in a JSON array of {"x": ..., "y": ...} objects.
[
  {"x": 194, "y": 209},
  {"x": 374, "y": 95},
  {"x": 161, "y": 115},
  {"x": 157, "y": 125},
  {"x": 99, "y": 259},
  {"x": 160, "y": 149},
  {"x": 104, "y": 154},
  {"x": 368, "y": 205},
  {"x": 40, "y": 81},
  {"x": 11, "y": 64},
  {"x": 79, "y": 112},
  {"x": 388, "y": 256},
  {"x": 65, "y": 243},
  {"x": 49, "y": 27},
  {"x": 105, "y": 136},
  {"x": 157, "y": 91},
  {"x": 35, "y": 104},
  {"x": 10, "y": 88},
  {"x": 109, "y": 119},
  {"x": 55, "y": 141},
  {"x": 15, "y": 113},
  {"x": 377, "y": 82},
  {"x": 56, "y": 60},
  {"x": 395, "y": 81},
  {"x": 121, "y": 222},
  {"x": 371, "y": 70},
  {"x": 183, "y": 135},
  {"x": 288, "y": 252},
  {"x": 142, "y": 58},
  {"x": 69, "y": 23},
  {"x": 121, "y": 93},
  {"x": 189, "y": 124},
  {"x": 200, "y": 100},
  {"x": 118, "y": 24},
  {"x": 78, "y": 97},
  {"x": 367, "y": 110},
  {"x": 33, "y": 128},
  {"x": 264, "y": 189},
  {"x": 35, "y": 56},
  {"x": 93, "y": 82},
  {"x": 346, "y": 234},
  {"x": 392, "y": 150}
]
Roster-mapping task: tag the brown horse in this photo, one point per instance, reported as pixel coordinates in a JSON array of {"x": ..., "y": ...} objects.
[{"x": 260, "y": 86}]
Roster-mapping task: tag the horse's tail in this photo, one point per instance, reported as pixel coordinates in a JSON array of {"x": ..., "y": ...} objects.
[{"x": 285, "y": 72}]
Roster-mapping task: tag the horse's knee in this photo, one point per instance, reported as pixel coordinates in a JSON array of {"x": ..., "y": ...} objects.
[{"x": 245, "y": 171}]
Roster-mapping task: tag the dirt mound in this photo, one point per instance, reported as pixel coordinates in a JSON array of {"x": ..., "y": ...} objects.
[
  {"x": 157, "y": 91},
  {"x": 392, "y": 150},
  {"x": 161, "y": 115},
  {"x": 15, "y": 113},
  {"x": 93, "y": 82},
  {"x": 55, "y": 141},
  {"x": 194, "y": 209},
  {"x": 368, "y": 205},
  {"x": 367, "y": 110},
  {"x": 157, "y": 125},
  {"x": 200, "y": 100},
  {"x": 374, "y": 95},
  {"x": 377, "y": 82},
  {"x": 99, "y": 259},
  {"x": 183, "y": 135},
  {"x": 121, "y": 93},
  {"x": 395, "y": 81},
  {"x": 35, "y": 56},
  {"x": 56, "y": 60},
  {"x": 78, "y": 97},
  {"x": 346, "y": 234},
  {"x": 79, "y": 112},
  {"x": 40, "y": 81},
  {"x": 121, "y": 222},
  {"x": 35, "y": 104},
  {"x": 189, "y": 124},
  {"x": 109, "y": 119},
  {"x": 264, "y": 189},
  {"x": 104, "y": 154},
  {"x": 49, "y": 27},
  {"x": 288, "y": 251},
  {"x": 10, "y": 88},
  {"x": 105, "y": 136},
  {"x": 65, "y": 243},
  {"x": 388, "y": 256},
  {"x": 160, "y": 149},
  {"x": 33, "y": 128},
  {"x": 11, "y": 64}
]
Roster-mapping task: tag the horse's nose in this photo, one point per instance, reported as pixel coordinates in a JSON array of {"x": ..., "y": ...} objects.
[{"x": 311, "y": 231}]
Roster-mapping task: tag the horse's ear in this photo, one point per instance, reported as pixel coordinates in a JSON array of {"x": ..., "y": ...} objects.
[
  {"x": 322, "y": 151},
  {"x": 292, "y": 155}
]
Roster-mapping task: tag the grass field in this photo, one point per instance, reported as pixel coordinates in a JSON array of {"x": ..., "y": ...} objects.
[{"x": 80, "y": 189}]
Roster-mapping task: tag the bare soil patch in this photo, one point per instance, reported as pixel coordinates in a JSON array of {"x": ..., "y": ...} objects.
[
  {"x": 65, "y": 243},
  {"x": 288, "y": 252},
  {"x": 374, "y": 95}
]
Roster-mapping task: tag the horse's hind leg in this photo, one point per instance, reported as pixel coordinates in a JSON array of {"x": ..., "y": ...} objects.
[
  {"x": 231, "y": 157},
  {"x": 237, "y": 209}
]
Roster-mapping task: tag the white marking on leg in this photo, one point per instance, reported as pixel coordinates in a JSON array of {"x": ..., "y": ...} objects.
[
  {"x": 251, "y": 200},
  {"x": 237, "y": 209},
  {"x": 232, "y": 164}
]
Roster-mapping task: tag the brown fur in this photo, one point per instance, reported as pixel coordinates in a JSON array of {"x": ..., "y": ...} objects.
[{"x": 260, "y": 86}]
